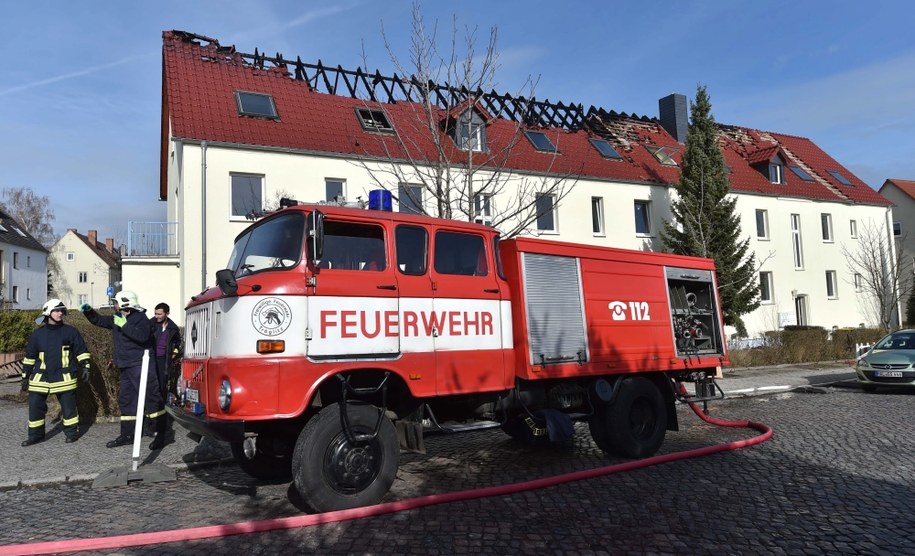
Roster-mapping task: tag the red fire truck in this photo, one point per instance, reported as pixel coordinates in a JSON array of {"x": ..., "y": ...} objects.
[{"x": 337, "y": 336}]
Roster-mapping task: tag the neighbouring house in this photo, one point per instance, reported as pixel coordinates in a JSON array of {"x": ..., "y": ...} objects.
[
  {"x": 87, "y": 269},
  {"x": 23, "y": 267},
  {"x": 902, "y": 194},
  {"x": 240, "y": 129}
]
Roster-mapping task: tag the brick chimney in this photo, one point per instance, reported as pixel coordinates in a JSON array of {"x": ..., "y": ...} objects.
[
  {"x": 109, "y": 245},
  {"x": 674, "y": 115},
  {"x": 93, "y": 237}
]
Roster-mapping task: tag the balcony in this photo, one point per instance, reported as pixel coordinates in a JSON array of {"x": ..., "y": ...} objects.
[{"x": 152, "y": 239}]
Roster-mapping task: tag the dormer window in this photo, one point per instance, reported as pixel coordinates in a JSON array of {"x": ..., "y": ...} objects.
[
  {"x": 470, "y": 133},
  {"x": 664, "y": 155},
  {"x": 842, "y": 179},
  {"x": 540, "y": 141},
  {"x": 605, "y": 149},
  {"x": 374, "y": 120},
  {"x": 256, "y": 105},
  {"x": 776, "y": 170}
]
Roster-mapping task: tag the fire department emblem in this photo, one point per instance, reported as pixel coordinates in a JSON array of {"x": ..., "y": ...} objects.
[{"x": 271, "y": 316}]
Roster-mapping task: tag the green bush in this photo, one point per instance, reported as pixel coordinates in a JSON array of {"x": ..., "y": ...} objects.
[
  {"x": 17, "y": 326},
  {"x": 804, "y": 344}
]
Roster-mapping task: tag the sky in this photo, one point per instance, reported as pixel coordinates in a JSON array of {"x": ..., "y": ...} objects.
[{"x": 81, "y": 85}]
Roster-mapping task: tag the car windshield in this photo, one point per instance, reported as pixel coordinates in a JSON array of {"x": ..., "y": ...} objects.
[
  {"x": 274, "y": 244},
  {"x": 905, "y": 340}
]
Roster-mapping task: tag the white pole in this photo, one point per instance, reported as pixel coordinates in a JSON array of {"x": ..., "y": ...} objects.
[{"x": 141, "y": 402}]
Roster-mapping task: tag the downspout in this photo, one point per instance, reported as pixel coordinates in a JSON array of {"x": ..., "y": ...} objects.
[
  {"x": 203, "y": 215},
  {"x": 894, "y": 272}
]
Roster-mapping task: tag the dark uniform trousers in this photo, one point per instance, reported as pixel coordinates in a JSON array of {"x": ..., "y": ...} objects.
[
  {"x": 129, "y": 395},
  {"x": 57, "y": 382}
]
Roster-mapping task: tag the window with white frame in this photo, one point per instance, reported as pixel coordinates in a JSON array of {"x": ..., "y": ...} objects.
[
  {"x": 642, "y": 218},
  {"x": 546, "y": 213},
  {"x": 762, "y": 224},
  {"x": 853, "y": 228},
  {"x": 859, "y": 282},
  {"x": 482, "y": 208},
  {"x": 796, "y": 243},
  {"x": 83, "y": 277},
  {"x": 247, "y": 196},
  {"x": 410, "y": 198},
  {"x": 897, "y": 229},
  {"x": 470, "y": 134},
  {"x": 765, "y": 287},
  {"x": 15, "y": 296},
  {"x": 777, "y": 170},
  {"x": 826, "y": 223},
  {"x": 831, "y": 291},
  {"x": 83, "y": 298},
  {"x": 71, "y": 256},
  {"x": 334, "y": 189},
  {"x": 597, "y": 215},
  {"x": 374, "y": 120}
]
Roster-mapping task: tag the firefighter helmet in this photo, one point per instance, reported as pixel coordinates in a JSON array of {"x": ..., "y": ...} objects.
[
  {"x": 127, "y": 300},
  {"x": 51, "y": 305}
]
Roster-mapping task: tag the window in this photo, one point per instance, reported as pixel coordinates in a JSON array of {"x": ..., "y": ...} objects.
[
  {"x": 796, "y": 243},
  {"x": 826, "y": 221},
  {"x": 842, "y": 179},
  {"x": 605, "y": 149},
  {"x": 482, "y": 208},
  {"x": 83, "y": 298},
  {"x": 762, "y": 224},
  {"x": 546, "y": 213},
  {"x": 859, "y": 282},
  {"x": 15, "y": 259},
  {"x": 15, "y": 298},
  {"x": 28, "y": 294},
  {"x": 643, "y": 218},
  {"x": 664, "y": 155},
  {"x": 83, "y": 277},
  {"x": 71, "y": 256},
  {"x": 374, "y": 120},
  {"x": 597, "y": 216},
  {"x": 351, "y": 246},
  {"x": 257, "y": 105},
  {"x": 28, "y": 261},
  {"x": 853, "y": 228},
  {"x": 540, "y": 141},
  {"x": 334, "y": 189},
  {"x": 461, "y": 254},
  {"x": 776, "y": 170},
  {"x": 799, "y": 172},
  {"x": 897, "y": 229},
  {"x": 765, "y": 287},
  {"x": 247, "y": 196},
  {"x": 831, "y": 291},
  {"x": 412, "y": 249},
  {"x": 410, "y": 198},
  {"x": 471, "y": 132},
  {"x": 274, "y": 245}
]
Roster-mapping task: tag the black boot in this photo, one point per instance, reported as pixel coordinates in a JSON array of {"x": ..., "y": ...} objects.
[
  {"x": 31, "y": 441},
  {"x": 121, "y": 440},
  {"x": 161, "y": 428}
]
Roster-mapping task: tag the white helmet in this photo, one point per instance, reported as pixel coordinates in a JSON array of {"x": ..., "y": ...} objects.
[
  {"x": 127, "y": 300},
  {"x": 49, "y": 306}
]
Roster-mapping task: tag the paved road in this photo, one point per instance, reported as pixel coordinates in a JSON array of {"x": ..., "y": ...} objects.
[{"x": 836, "y": 478}]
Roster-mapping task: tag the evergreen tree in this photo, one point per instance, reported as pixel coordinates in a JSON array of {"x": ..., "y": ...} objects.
[{"x": 705, "y": 223}]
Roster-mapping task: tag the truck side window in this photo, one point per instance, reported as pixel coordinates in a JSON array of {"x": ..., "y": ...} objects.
[
  {"x": 463, "y": 254},
  {"x": 412, "y": 244},
  {"x": 352, "y": 246}
]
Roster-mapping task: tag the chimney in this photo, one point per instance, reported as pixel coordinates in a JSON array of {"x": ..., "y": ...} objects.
[
  {"x": 674, "y": 115},
  {"x": 109, "y": 245},
  {"x": 93, "y": 237}
]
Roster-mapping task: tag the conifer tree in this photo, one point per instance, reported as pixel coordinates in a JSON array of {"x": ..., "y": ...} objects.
[{"x": 705, "y": 221}]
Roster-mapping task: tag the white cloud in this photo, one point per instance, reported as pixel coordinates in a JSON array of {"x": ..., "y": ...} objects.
[{"x": 64, "y": 77}]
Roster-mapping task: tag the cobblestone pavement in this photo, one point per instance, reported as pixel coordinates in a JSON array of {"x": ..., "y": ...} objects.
[{"x": 837, "y": 477}]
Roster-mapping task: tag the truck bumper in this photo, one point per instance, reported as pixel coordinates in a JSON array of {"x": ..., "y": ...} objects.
[{"x": 227, "y": 431}]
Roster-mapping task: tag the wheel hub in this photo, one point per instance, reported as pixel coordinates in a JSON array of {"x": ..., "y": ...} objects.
[{"x": 351, "y": 468}]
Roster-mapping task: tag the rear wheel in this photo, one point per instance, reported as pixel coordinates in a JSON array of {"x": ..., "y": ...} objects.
[
  {"x": 334, "y": 472},
  {"x": 272, "y": 457},
  {"x": 633, "y": 424}
]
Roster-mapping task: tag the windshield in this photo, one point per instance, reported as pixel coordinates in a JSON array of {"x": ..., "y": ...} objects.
[
  {"x": 274, "y": 244},
  {"x": 905, "y": 340}
]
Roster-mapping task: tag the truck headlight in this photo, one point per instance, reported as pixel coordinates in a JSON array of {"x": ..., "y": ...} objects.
[{"x": 225, "y": 394}]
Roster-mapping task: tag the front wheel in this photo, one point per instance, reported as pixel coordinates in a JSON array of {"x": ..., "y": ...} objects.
[
  {"x": 633, "y": 424},
  {"x": 335, "y": 471}
]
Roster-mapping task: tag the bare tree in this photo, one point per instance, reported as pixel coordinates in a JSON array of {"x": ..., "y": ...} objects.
[
  {"x": 32, "y": 211},
  {"x": 467, "y": 177},
  {"x": 877, "y": 270}
]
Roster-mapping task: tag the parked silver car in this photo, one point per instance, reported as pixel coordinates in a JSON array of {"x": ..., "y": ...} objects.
[{"x": 890, "y": 362}]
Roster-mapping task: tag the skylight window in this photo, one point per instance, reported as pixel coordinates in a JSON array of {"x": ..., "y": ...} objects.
[
  {"x": 373, "y": 120},
  {"x": 605, "y": 149},
  {"x": 799, "y": 172},
  {"x": 20, "y": 232},
  {"x": 3, "y": 229},
  {"x": 257, "y": 105},
  {"x": 540, "y": 141},
  {"x": 663, "y": 154},
  {"x": 842, "y": 179}
]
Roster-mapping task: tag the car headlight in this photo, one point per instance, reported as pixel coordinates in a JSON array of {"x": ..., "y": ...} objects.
[
  {"x": 225, "y": 394},
  {"x": 862, "y": 363}
]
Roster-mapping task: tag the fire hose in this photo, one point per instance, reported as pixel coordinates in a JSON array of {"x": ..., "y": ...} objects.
[{"x": 294, "y": 522}]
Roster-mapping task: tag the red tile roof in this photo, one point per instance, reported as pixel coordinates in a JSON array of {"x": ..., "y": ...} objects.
[
  {"x": 199, "y": 102},
  {"x": 906, "y": 186}
]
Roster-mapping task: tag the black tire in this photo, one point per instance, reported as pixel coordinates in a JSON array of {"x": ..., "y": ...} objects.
[
  {"x": 331, "y": 473},
  {"x": 634, "y": 423},
  {"x": 868, "y": 388},
  {"x": 272, "y": 460}
]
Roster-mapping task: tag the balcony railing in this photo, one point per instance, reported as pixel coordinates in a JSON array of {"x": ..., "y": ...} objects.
[{"x": 152, "y": 239}]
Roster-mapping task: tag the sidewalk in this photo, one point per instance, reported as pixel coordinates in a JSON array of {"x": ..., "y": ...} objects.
[{"x": 52, "y": 461}]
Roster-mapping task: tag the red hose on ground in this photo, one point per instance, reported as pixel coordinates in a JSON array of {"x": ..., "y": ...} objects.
[{"x": 158, "y": 537}]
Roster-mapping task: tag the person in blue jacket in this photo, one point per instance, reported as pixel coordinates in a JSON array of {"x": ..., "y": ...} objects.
[
  {"x": 132, "y": 334},
  {"x": 53, "y": 354}
]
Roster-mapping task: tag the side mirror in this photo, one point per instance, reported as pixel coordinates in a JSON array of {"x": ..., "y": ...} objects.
[
  {"x": 225, "y": 279},
  {"x": 316, "y": 235}
]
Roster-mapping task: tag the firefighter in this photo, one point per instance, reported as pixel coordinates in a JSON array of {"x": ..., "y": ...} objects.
[
  {"x": 52, "y": 356},
  {"x": 132, "y": 334}
]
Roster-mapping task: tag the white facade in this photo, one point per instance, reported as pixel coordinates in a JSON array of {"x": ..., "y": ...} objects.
[
  {"x": 23, "y": 275},
  {"x": 904, "y": 234},
  {"x": 84, "y": 276}
]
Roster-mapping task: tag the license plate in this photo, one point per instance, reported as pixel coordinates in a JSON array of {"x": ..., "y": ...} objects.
[
  {"x": 191, "y": 395},
  {"x": 889, "y": 374}
]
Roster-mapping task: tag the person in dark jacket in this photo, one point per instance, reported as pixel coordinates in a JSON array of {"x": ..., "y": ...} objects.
[
  {"x": 52, "y": 356},
  {"x": 132, "y": 334},
  {"x": 167, "y": 339}
]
